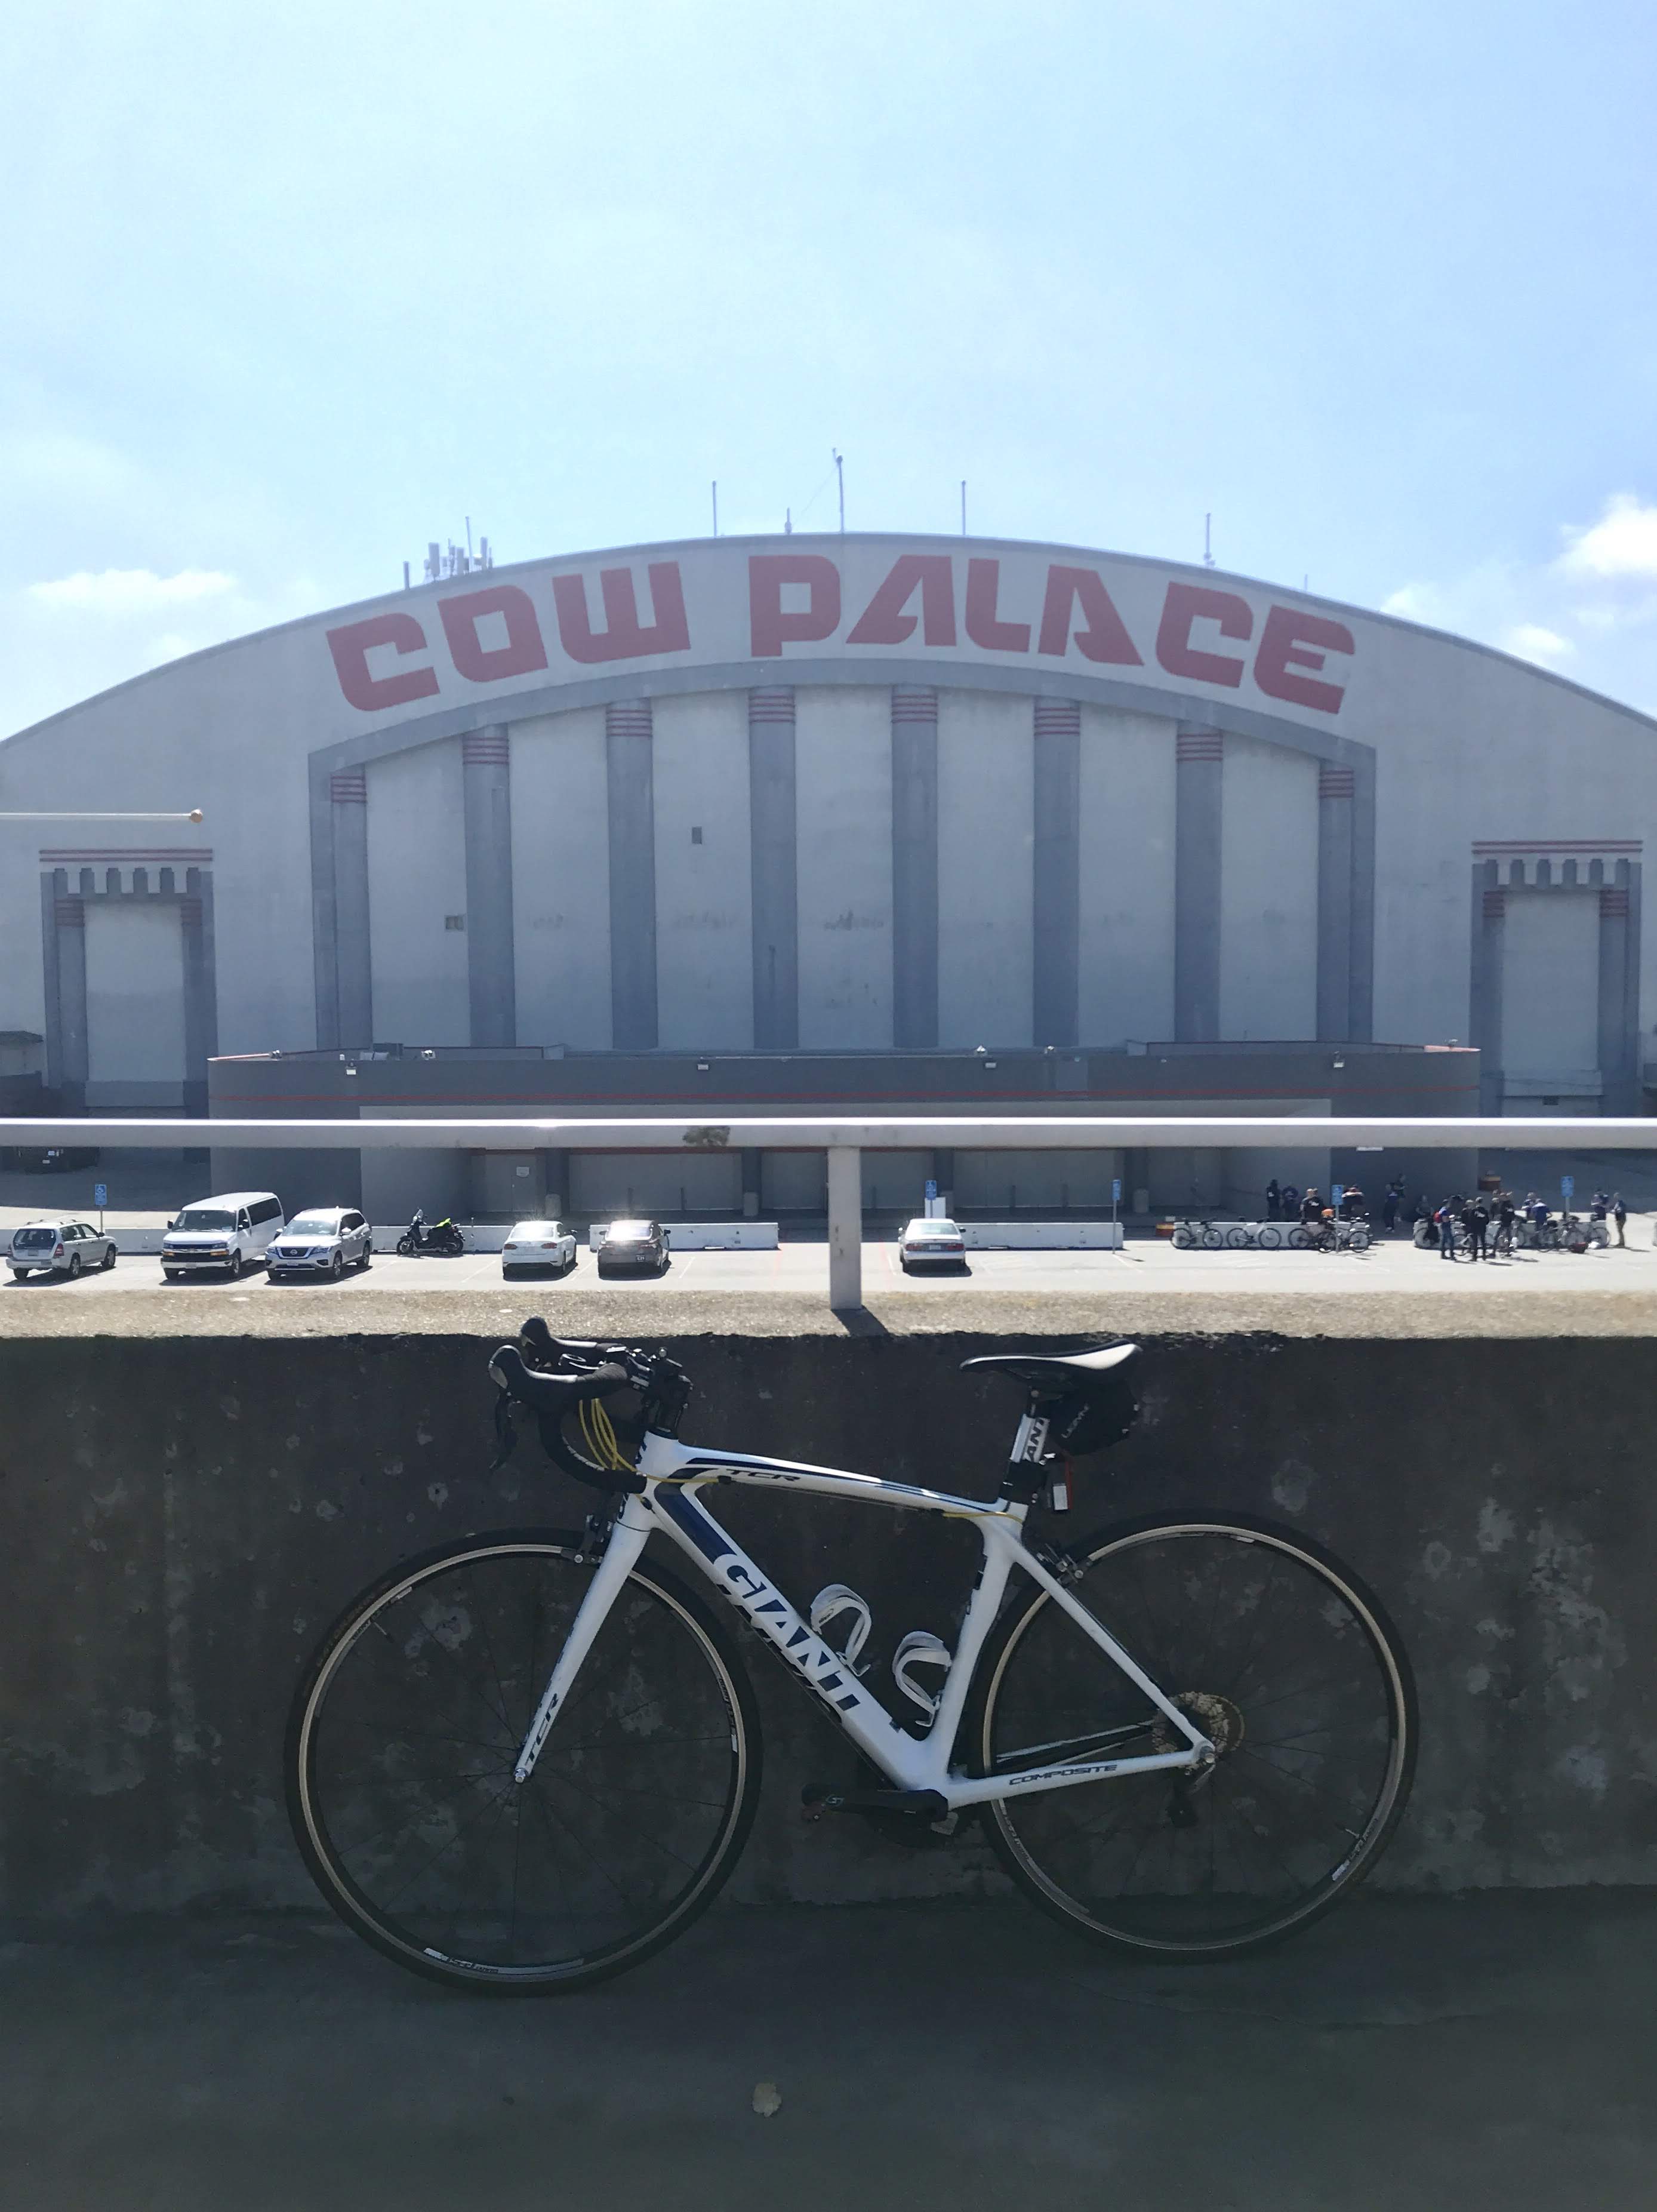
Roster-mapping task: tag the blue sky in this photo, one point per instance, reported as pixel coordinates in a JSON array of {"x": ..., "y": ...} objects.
[{"x": 291, "y": 290}]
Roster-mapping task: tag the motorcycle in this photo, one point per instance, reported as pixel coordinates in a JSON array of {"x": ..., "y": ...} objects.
[{"x": 441, "y": 1238}]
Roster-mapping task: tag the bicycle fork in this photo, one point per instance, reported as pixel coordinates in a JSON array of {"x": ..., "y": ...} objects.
[{"x": 627, "y": 1535}]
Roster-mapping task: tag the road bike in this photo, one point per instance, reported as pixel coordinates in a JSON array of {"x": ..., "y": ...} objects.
[{"x": 527, "y": 1760}]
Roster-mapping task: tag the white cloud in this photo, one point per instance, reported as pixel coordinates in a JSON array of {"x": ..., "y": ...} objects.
[
  {"x": 1622, "y": 543},
  {"x": 125, "y": 592},
  {"x": 1531, "y": 641}
]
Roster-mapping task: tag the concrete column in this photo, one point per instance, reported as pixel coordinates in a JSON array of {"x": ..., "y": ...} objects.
[
  {"x": 486, "y": 781},
  {"x": 914, "y": 865},
  {"x": 554, "y": 1177},
  {"x": 774, "y": 863},
  {"x": 348, "y": 790},
  {"x": 1489, "y": 917},
  {"x": 1335, "y": 892},
  {"x": 1618, "y": 1043},
  {"x": 70, "y": 917},
  {"x": 1058, "y": 885},
  {"x": 1199, "y": 767},
  {"x": 844, "y": 1227},
  {"x": 750, "y": 1183},
  {"x": 629, "y": 733},
  {"x": 199, "y": 1041}
]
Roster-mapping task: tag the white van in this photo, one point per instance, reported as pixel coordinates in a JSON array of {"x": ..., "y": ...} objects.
[{"x": 224, "y": 1233}]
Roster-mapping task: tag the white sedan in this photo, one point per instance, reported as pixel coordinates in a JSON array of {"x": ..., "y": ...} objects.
[
  {"x": 934, "y": 1243},
  {"x": 323, "y": 1240},
  {"x": 537, "y": 1245}
]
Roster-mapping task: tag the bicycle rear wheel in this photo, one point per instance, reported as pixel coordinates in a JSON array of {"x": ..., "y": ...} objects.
[
  {"x": 403, "y": 1738},
  {"x": 1283, "y": 1658}
]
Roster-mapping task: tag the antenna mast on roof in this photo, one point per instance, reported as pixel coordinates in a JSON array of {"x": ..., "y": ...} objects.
[{"x": 1208, "y": 541}]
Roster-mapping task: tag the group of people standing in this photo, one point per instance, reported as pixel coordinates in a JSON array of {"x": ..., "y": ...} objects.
[{"x": 1286, "y": 1202}]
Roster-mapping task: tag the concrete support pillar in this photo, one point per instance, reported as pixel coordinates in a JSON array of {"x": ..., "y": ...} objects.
[
  {"x": 1200, "y": 768},
  {"x": 201, "y": 1021},
  {"x": 1489, "y": 917},
  {"x": 555, "y": 1175},
  {"x": 1336, "y": 883},
  {"x": 1619, "y": 1017},
  {"x": 486, "y": 780},
  {"x": 74, "y": 1044},
  {"x": 628, "y": 735},
  {"x": 844, "y": 1227},
  {"x": 1058, "y": 883},
  {"x": 774, "y": 835},
  {"x": 750, "y": 1183},
  {"x": 914, "y": 865},
  {"x": 348, "y": 790}
]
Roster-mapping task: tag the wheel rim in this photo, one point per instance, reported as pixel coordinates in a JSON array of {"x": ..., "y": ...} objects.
[
  {"x": 74, "y": 1265},
  {"x": 404, "y": 1757},
  {"x": 1256, "y": 1637}
]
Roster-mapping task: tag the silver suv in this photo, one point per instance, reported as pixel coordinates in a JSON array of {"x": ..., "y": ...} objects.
[{"x": 61, "y": 1247}]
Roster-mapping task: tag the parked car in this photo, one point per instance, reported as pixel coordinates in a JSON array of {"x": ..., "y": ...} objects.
[
  {"x": 48, "y": 1159},
  {"x": 630, "y": 1245},
  {"x": 932, "y": 1243},
  {"x": 60, "y": 1247},
  {"x": 222, "y": 1234},
  {"x": 537, "y": 1245},
  {"x": 323, "y": 1240}
]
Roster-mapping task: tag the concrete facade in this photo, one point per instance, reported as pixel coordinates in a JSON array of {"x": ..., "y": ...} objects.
[{"x": 854, "y": 792}]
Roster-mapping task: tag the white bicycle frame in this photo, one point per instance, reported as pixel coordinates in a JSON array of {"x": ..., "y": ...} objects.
[{"x": 675, "y": 1477}]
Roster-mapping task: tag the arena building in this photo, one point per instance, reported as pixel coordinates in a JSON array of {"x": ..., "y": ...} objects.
[{"x": 830, "y": 814}]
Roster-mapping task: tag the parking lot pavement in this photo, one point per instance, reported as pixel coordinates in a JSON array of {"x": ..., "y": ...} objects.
[
  {"x": 1492, "y": 2052},
  {"x": 802, "y": 1269},
  {"x": 1146, "y": 1288}
]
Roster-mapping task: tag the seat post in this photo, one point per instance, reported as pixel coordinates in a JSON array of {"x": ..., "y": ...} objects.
[{"x": 1029, "y": 1449}]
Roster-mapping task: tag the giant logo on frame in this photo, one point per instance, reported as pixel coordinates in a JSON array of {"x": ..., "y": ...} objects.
[{"x": 1203, "y": 635}]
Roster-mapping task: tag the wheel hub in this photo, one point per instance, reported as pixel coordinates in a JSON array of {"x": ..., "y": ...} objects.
[{"x": 1220, "y": 1721}]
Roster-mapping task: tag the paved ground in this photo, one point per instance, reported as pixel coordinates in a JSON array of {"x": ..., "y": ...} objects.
[
  {"x": 1392, "y": 1289},
  {"x": 1493, "y": 2053}
]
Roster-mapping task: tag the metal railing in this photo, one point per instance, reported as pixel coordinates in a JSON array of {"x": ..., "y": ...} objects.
[{"x": 845, "y": 1137}]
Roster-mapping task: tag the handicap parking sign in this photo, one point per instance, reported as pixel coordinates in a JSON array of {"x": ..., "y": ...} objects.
[
  {"x": 1116, "y": 1190},
  {"x": 1567, "y": 1187},
  {"x": 932, "y": 1190},
  {"x": 101, "y": 1193}
]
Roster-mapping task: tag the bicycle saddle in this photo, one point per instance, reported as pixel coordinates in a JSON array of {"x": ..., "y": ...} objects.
[{"x": 1057, "y": 1370}]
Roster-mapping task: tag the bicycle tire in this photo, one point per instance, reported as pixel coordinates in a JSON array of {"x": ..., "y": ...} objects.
[
  {"x": 1270, "y": 1238},
  {"x": 1213, "y": 1240},
  {"x": 1300, "y": 1238},
  {"x": 1359, "y": 1239},
  {"x": 1247, "y": 1791},
  {"x": 360, "y": 1816},
  {"x": 1237, "y": 1239},
  {"x": 1183, "y": 1240}
]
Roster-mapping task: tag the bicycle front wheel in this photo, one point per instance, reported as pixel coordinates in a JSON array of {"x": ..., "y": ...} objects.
[
  {"x": 402, "y": 1739},
  {"x": 1289, "y": 1666}
]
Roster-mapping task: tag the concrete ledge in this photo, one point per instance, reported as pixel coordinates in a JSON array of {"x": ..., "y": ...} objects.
[
  {"x": 1041, "y": 1236},
  {"x": 186, "y": 1515}
]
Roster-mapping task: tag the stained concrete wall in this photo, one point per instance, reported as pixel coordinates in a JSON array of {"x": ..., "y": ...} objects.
[{"x": 181, "y": 1520}]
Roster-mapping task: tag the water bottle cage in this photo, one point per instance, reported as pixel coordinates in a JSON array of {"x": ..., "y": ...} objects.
[{"x": 833, "y": 1600}]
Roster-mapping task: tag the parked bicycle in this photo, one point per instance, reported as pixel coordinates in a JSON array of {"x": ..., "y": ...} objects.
[{"x": 528, "y": 1760}]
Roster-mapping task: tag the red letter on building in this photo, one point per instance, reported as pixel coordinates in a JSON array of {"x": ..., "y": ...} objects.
[
  {"x": 1105, "y": 637},
  {"x": 984, "y": 623},
  {"x": 1189, "y": 603},
  {"x": 1292, "y": 641},
  {"x": 523, "y": 650},
  {"x": 351, "y": 647},
  {"x": 768, "y": 626},
  {"x": 884, "y": 622},
  {"x": 623, "y": 637}
]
